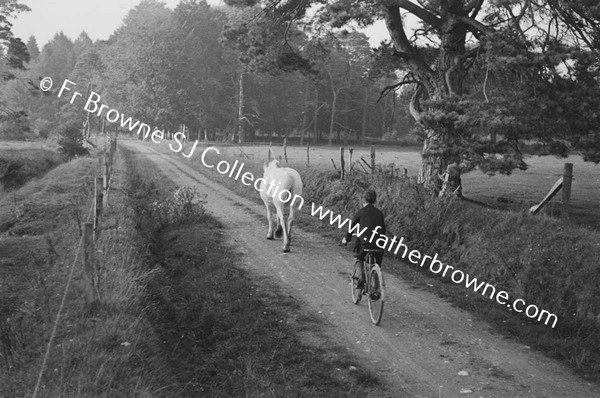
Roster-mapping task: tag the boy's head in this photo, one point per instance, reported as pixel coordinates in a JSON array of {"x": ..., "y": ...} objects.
[{"x": 370, "y": 197}]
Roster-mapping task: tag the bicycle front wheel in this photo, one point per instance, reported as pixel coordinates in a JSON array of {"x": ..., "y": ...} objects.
[{"x": 376, "y": 296}]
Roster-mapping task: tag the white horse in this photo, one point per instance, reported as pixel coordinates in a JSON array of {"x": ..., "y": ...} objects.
[{"x": 280, "y": 185}]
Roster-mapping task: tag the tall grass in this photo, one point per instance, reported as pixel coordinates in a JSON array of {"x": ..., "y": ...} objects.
[{"x": 100, "y": 350}]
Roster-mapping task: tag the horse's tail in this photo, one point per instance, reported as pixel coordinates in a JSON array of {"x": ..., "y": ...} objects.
[{"x": 297, "y": 185}]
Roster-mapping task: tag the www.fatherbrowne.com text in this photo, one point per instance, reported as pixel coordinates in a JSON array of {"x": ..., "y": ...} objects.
[{"x": 392, "y": 245}]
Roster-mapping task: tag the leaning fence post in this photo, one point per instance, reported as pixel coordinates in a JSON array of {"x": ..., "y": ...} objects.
[
  {"x": 88, "y": 263},
  {"x": 342, "y": 163},
  {"x": 566, "y": 190},
  {"x": 285, "y": 149},
  {"x": 372, "y": 159}
]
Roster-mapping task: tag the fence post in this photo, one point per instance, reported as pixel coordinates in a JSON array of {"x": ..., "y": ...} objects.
[
  {"x": 97, "y": 205},
  {"x": 350, "y": 161},
  {"x": 88, "y": 263},
  {"x": 372, "y": 159},
  {"x": 113, "y": 149},
  {"x": 342, "y": 163},
  {"x": 285, "y": 149},
  {"x": 105, "y": 180},
  {"x": 269, "y": 154},
  {"x": 307, "y": 155},
  {"x": 566, "y": 191}
]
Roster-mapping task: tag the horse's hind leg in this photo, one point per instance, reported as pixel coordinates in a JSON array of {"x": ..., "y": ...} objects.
[
  {"x": 270, "y": 231},
  {"x": 290, "y": 222},
  {"x": 286, "y": 236}
]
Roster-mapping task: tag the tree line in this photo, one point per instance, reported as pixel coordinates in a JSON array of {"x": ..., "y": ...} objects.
[
  {"x": 478, "y": 82},
  {"x": 174, "y": 69}
]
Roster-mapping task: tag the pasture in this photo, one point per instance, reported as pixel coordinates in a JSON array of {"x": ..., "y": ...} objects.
[{"x": 518, "y": 191}]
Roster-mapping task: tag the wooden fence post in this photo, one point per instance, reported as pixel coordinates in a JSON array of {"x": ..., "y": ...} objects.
[
  {"x": 342, "y": 163},
  {"x": 372, "y": 159},
  {"x": 113, "y": 149},
  {"x": 269, "y": 154},
  {"x": 285, "y": 149},
  {"x": 566, "y": 191},
  {"x": 350, "y": 161},
  {"x": 90, "y": 287},
  {"x": 307, "y": 155},
  {"x": 97, "y": 205},
  {"x": 105, "y": 180}
]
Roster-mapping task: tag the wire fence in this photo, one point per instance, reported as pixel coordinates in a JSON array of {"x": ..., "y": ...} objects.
[{"x": 85, "y": 249}]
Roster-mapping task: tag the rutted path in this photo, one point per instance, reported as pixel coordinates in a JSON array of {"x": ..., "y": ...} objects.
[{"x": 422, "y": 343}]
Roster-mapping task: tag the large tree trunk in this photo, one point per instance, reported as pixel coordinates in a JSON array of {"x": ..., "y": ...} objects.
[{"x": 435, "y": 82}]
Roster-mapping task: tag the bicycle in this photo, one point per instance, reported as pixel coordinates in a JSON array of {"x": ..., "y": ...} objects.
[{"x": 374, "y": 287}]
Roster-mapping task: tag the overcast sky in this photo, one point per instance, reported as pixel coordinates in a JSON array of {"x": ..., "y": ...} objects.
[{"x": 99, "y": 18}]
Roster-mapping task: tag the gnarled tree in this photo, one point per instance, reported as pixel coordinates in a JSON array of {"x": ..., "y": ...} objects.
[{"x": 467, "y": 61}]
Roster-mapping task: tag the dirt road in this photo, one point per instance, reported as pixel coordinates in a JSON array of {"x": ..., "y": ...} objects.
[{"x": 422, "y": 343}]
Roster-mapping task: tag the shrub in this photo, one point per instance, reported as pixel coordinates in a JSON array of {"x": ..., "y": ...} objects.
[
  {"x": 183, "y": 205},
  {"x": 18, "y": 167},
  {"x": 70, "y": 141},
  {"x": 15, "y": 126}
]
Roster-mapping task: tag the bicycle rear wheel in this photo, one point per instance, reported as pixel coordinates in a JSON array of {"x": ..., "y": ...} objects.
[
  {"x": 356, "y": 293},
  {"x": 376, "y": 296}
]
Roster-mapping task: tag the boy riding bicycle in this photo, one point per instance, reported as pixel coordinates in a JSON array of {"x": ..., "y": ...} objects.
[{"x": 371, "y": 218}]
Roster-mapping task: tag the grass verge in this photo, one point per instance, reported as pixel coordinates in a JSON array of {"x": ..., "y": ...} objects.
[{"x": 100, "y": 350}]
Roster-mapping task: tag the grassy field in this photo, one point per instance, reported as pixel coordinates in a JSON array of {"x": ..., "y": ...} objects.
[{"x": 520, "y": 190}]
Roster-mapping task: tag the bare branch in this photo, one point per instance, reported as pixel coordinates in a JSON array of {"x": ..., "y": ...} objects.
[
  {"x": 417, "y": 11},
  {"x": 408, "y": 79},
  {"x": 395, "y": 26},
  {"x": 475, "y": 26}
]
